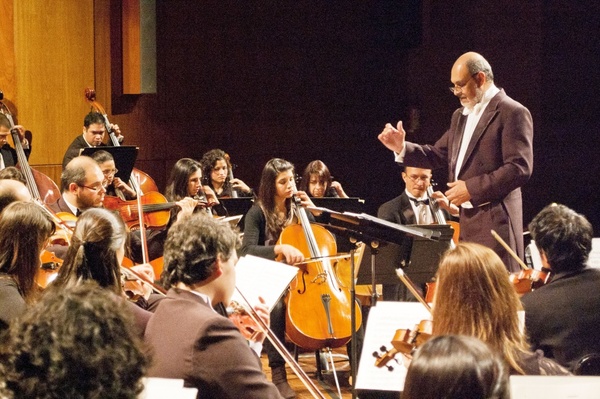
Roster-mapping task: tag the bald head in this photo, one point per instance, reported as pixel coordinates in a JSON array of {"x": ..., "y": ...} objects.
[
  {"x": 76, "y": 170},
  {"x": 12, "y": 191},
  {"x": 472, "y": 63}
]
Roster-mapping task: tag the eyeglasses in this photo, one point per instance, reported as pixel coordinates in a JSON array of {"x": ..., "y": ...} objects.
[
  {"x": 459, "y": 86},
  {"x": 110, "y": 172},
  {"x": 416, "y": 179},
  {"x": 94, "y": 188}
]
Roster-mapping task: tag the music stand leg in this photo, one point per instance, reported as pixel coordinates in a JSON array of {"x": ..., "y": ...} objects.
[
  {"x": 353, "y": 343},
  {"x": 374, "y": 251}
]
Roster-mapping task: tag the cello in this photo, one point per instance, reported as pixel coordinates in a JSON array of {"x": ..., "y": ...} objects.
[
  {"x": 146, "y": 183},
  {"x": 316, "y": 290}
]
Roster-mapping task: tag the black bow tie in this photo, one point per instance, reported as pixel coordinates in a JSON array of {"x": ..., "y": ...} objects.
[{"x": 420, "y": 202}]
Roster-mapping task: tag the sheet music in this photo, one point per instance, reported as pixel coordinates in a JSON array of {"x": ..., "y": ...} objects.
[
  {"x": 262, "y": 277},
  {"x": 158, "y": 388},
  {"x": 554, "y": 387},
  {"x": 594, "y": 259},
  {"x": 384, "y": 320}
]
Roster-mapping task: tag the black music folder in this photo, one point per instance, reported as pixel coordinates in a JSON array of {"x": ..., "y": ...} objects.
[{"x": 124, "y": 155}]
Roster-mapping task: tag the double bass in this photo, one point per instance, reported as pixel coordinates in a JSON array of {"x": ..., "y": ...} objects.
[
  {"x": 146, "y": 183},
  {"x": 41, "y": 187},
  {"x": 316, "y": 291}
]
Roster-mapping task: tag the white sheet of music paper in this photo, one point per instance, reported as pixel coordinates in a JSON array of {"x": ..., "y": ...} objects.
[
  {"x": 262, "y": 277},
  {"x": 159, "y": 388},
  {"x": 384, "y": 320},
  {"x": 554, "y": 387},
  {"x": 594, "y": 259}
]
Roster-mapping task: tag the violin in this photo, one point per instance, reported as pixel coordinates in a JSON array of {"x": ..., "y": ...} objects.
[
  {"x": 242, "y": 320},
  {"x": 139, "y": 180},
  {"x": 48, "y": 270},
  {"x": 405, "y": 341},
  {"x": 155, "y": 209},
  {"x": 528, "y": 279}
]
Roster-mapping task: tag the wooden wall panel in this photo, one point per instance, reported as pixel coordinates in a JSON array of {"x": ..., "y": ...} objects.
[
  {"x": 8, "y": 84},
  {"x": 54, "y": 56}
]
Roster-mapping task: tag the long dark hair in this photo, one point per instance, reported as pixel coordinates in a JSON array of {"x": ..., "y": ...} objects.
[
  {"x": 92, "y": 255},
  {"x": 177, "y": 186},
  {"x": 24, "y": 229},
  {"x": 267, "y": 191}
]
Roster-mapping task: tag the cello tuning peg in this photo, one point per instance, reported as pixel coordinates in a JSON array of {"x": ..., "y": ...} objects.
[
  {"x": 390, "y": 368},
  {"x": 376, "y": 355},
  {"x": 383, "y": 348}
]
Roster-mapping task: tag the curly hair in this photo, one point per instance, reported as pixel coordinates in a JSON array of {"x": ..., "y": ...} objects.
[
  {"x": 267, "y": 191},
  {"x": 474, "y": 277},
  {"x": 75, "y": 343},
  {"x": 209, "y": 161},
  {"x": 24, "y": 229},
  {"x": 564, "y": 236},
  {"x": 92, "y": 255},
  {"x": 192, "y": 247},
  {"x": 455, "y": 366}
]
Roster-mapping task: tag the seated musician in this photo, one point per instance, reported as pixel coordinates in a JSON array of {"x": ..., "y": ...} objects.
[
  {"x": 82, "y": 185},
  {"x": 96, "y": 253},
  {"x": 94, "y": 129},
  {"x": 184, "y": 187},
  {"x": 474, "y": 297},
  {"x": 271, "y": 213},
  {"x": 12, "y": 173},
  {"x": 317, "y": 182},
  {"x": 456, "y": 366},
  {"x": 8, "y": 155},
  {"x": 11, "y": 191},
  {"x": 76, "y": 343},
  {"x": 24, "y": 231},
  {"x": 410, "y": 207},
  {"x": 114, "y": 185},
  {"x": 188, "y": 339},
  {"x": 215, "y": 171},
  {"x": 562, "y": 317}
]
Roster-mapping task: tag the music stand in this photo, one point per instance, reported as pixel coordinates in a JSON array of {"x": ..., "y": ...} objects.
[
  {"x": 368, "y": 229},
  {"x": 352, "y": 204},
  {"x": 124, "y": 157}
]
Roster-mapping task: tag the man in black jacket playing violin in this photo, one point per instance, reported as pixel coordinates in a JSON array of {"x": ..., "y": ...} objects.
[{"x": 562, "y": 317}]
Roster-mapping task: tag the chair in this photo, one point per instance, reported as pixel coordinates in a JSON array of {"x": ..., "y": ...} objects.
[{"x": 588, "y": 365}]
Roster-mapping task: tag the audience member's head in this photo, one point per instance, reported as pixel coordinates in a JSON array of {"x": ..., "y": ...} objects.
[
  {"x": 563, "y": 236},
  {"x": 456, "y": 367},
  {"x": 78, "y": 342}
]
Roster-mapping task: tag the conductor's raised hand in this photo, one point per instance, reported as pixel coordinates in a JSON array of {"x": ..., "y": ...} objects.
[{"x": 393, "y": 137}]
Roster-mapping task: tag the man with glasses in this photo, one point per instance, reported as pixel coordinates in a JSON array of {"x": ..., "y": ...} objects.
[
  {"x": 488, "y": 151},
  {"x": 82, "y": 185}
]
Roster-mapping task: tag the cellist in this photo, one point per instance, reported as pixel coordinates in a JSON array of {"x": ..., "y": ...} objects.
[{"x": 272, "y": 212}]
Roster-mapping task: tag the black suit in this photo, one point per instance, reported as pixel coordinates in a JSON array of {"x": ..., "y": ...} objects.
[
  {"x": 10, "y": 155},
  {"x": 75, "y": 148},
  {"x": 563, "y": 317}
]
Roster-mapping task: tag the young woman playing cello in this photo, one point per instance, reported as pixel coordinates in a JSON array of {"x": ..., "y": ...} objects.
[{"x": 274, "y": 210}]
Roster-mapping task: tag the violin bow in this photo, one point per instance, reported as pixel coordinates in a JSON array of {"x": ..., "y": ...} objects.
[
  {"x": 409, "y": 284},
  {"x": 509, "y": 250}
]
